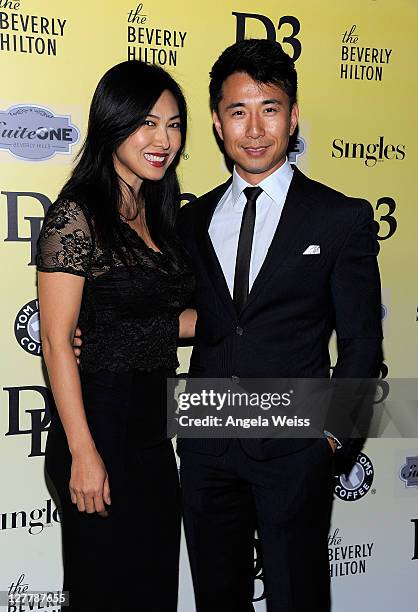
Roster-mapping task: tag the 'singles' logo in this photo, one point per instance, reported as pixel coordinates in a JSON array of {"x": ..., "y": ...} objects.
[
  {"x": 359, "y": 481},
  {"x": 27, "y": 329},
  {"x": 371, "y": 153},
  {"x": 35, "y": 133},
  {"x": 39, "y": 416},
  {"x": 34, "y": 520}
]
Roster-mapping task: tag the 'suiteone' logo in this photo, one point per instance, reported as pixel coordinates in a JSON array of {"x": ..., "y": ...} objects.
[{"x": 35, "y": 133}]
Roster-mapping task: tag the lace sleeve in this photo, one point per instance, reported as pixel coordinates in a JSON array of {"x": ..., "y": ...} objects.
[{"x": 65, "y": 243}]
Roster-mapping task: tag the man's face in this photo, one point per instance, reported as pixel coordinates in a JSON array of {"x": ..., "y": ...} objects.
[{"x": 254, "y": 121}]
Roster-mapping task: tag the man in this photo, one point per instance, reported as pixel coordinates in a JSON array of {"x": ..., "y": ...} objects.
[
  {"x": 277, "y": 269},
  {"x": 280, "y": 261}
]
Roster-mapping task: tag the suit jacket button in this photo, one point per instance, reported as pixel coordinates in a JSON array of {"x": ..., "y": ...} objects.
[
  {"x": 235, "y": 379},
  {"x": 239, "y": 331}
]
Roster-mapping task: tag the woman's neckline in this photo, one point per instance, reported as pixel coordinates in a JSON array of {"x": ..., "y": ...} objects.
[{"x": 132, "y": 230}]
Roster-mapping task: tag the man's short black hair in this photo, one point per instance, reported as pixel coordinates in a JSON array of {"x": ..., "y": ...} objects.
[{"x": 263, "y": 60}]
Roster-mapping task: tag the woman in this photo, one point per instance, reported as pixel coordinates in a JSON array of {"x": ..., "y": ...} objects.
[{"x": 108, "y": 259}]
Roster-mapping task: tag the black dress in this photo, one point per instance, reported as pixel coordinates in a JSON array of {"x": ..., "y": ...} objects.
[{"x": 129, "y": 318}]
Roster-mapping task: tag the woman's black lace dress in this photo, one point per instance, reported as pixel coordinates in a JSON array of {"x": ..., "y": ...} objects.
[{"x": 129, "y": 319}]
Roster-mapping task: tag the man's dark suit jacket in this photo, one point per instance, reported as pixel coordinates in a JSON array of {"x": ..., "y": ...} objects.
[{"x": 295, "y": 303}]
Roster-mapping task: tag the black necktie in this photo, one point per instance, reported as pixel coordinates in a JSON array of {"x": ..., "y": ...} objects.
[{"x": 245, "y": 243}]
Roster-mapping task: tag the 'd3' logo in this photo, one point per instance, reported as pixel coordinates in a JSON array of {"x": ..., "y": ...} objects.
[{"x": 289, "y": 33}]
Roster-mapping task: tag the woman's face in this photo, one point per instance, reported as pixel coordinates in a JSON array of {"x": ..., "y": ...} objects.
[{"x": 147, "y": 152}]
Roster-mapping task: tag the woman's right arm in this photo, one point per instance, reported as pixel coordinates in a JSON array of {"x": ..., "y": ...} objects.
[
  {"x": 59, "y": 300},
  {"x": 64, "y": 259}
]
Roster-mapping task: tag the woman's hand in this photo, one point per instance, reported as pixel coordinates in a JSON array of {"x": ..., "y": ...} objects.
[
  {"x": 187, "y": 323},
  {"x": 89, "y": 482}
]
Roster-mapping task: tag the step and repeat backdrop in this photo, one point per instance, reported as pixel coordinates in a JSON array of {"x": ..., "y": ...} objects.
[{"x": 356, "y": 61}]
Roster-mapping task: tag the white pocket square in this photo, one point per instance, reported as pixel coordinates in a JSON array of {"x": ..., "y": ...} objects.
[{"x": 313, "y": 249}]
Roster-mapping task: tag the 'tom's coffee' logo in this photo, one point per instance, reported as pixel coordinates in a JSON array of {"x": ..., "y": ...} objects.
[
  {"x": 27, "y": 328},
  {"x": 358, "y": 483}
]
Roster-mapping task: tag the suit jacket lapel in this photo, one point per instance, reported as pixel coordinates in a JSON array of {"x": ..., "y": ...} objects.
[
  {"x": 208, "y": 204},
  {"x": 295, "y": 213}
]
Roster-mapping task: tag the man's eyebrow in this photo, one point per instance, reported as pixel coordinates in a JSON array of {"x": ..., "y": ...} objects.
[
  {"x": 273, "y": 101},
  {"x": 264, "y": 102},
  {"x": 235, "y": 105}
]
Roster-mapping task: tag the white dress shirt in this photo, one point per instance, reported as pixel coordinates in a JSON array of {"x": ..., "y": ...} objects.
[{"x": 225, "y": 225}]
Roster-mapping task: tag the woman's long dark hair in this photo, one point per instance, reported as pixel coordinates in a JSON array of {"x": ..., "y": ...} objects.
[{"x": 123, "y": 98}]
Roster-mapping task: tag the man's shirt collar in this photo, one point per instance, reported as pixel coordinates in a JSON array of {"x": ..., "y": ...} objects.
[{"x": 275, "y": 186}]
